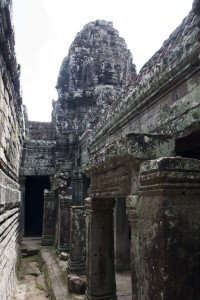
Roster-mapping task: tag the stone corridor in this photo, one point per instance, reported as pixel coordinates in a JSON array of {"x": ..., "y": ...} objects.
[
  {"x": 31, "y": 283},
  {"x": 112, "y": 183}
]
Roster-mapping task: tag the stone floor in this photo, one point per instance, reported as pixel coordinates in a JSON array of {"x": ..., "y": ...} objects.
[
  {"x": 123, "y": 282},
  {"x": 31, "y": 284}
]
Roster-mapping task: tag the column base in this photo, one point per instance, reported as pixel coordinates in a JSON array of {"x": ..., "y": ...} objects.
[
  {"x": 63, "y": 248},
  {"x": 78, "y": 268},
  {"x": 47, "y": 240},
  {"x": 101, "y": 297}
]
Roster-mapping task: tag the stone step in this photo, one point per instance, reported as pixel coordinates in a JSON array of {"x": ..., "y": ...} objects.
[{"x": 30, "y": 246}]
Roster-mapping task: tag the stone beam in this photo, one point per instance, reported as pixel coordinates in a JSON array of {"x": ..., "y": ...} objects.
[{"x": 114, "y": 169}]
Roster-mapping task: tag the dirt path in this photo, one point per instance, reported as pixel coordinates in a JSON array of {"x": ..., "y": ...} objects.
[{"x": 31, "y": 284}]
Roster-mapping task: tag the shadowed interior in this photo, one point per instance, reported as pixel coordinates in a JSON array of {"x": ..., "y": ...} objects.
[{"x": 34, "y": 202}]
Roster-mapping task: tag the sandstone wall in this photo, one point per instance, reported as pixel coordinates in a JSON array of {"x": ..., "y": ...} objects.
[{"x": 11, "y": 139}]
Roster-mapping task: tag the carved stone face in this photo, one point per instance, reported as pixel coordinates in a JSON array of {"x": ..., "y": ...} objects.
[{"x": 111, "y": 73}]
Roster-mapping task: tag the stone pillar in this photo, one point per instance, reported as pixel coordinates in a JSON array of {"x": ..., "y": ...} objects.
[
  {"x": 22, "y": 207},
  {"x": 49, "y": 218},
  {"x": 168, "y": 229},
  {"x": 57, "y": 218},
  {"x": 132, "y": 212},
  {"x": 100, "y": 268},
  {"x": 63, "y": 242},
  {"x": 79, "y": 186},
  {"x": 122, "y": 241},
  {"x": 76, "y": 263}
]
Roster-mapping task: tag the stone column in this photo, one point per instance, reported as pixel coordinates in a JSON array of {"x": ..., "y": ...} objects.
[
  {"x": 22, "y": 207},
  {"x": 122, "y": 241},
  {"x": 100, "y": 268},
  {"x": 76, "y": 264},
  {"x": 79, "y": 186},
  {"x": 63, "y": 242},
  {"x": 168, "y": 213},
  {"x": 132, "y": 208},
  {"x": 49, "y": 218}
]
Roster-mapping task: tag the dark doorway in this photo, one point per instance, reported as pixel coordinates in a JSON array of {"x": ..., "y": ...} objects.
[
  {"x": 189, "y": 146},
  {"x": 34, "y": 203}
]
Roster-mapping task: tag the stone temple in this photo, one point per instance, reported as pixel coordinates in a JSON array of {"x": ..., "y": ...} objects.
[{"x": 114, "y": 179}]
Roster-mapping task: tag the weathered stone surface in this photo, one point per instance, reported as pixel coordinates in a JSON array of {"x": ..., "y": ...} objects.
[
  {"x": 113, "y": 169},
  {"x": 39, "y": 149},
  {"x": 164, "y": 221},
  {"x": 196, "y": 7},
  {"x": 122, "y": 237},
  {"x": 11, "y": 139},
  {"x": 76, "y": 284},
  {"x": 96, "y": 71},
  {"x": 100, "y": 249},
  {"x": 115, "y": 127},
  {"x": 57, "y": 281},
  {"x": 64, "y": 201},
  {"x": 64, "y": 256},
  {"x": 77, "y": 262},
  {"x": 173, "y": 104},
  {"x": 49, "y": 218},
  {"x": 133, "y": 147},
  {"x": 63, "y": 239}
]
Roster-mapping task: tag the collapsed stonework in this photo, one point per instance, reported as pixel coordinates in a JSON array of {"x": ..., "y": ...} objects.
[{"x": 117, "y": 141}]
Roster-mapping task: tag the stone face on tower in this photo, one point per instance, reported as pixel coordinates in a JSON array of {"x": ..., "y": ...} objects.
[{"x": 95, "y": 73}]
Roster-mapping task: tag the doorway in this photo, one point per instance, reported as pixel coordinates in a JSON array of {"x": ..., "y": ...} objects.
[
  {"x": 189, "y": 146},
  {"x": 34, "y": 204}
]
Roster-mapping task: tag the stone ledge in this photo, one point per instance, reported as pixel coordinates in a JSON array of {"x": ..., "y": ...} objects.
[{"x": 55, "y": 279}]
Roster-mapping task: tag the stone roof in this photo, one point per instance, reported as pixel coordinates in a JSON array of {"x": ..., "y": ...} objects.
[{"x": 177, "y": 53}]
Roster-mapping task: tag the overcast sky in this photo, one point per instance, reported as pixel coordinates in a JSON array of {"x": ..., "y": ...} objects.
[{"x": 44, "y": 30}]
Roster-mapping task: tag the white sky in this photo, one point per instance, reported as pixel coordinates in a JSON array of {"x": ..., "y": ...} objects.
[{"x": 44, "y": 30}]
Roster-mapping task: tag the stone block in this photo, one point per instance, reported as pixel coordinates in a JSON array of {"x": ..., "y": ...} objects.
[{"x": 76, "y": 284}]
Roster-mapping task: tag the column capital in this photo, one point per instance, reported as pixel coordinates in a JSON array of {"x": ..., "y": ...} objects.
[{"x": 169, "y": 175}]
